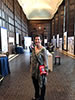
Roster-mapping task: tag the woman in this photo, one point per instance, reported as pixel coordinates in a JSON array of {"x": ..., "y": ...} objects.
[{"x": 39, "y": 57}]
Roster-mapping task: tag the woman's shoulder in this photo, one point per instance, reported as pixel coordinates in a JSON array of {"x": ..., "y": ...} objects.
[{"x": 43, "y": 49}]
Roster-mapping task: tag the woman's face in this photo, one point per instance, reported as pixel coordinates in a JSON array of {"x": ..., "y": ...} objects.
[{"x": 37, "y": 41}]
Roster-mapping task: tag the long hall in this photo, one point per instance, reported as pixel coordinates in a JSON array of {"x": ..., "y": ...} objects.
[{"x": 40, "y": 33}]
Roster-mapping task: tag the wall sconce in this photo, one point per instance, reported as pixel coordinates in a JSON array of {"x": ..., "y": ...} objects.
[{"x": 39, "y": 28}]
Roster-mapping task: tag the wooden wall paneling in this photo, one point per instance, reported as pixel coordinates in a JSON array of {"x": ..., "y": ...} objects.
[
  {"x": 10, "y": 47},
  {"x": 61, "y": 26},
  {"x": 56, "y": 24},
  {"x": 4, "y": 1},
  {"x": 67, "y": 10},
  {"x": 23, "y": 17},
  {"x": 71, "y": 20},
  {"x": 0, "y": 4},
  {"x": 71, "y": 24},
  {"x": 5, "y": 9},
  {"x": 24, "y": 23},
  {"x": 16, "y": 8},
  {"x": 66, "y": 19},
  {"x": 70, "y": 14},
  {"x": 39, "y": 27},
  {"x": 72, "y": 1},
  {"x": 20, "y": 16},
  {"x": 71, "y": 7},
  {"x": 50, "y": 30},
  {"x": 66, "y": 3},
  {"x": 59, "y": 20},
  {"x": 12, "y": 9},
  {"x": 10, "y": 4},
  {"x": 14, "y": 17},
  {"x": 67, "y": 27},
  {"x": 53, "y": 27}
]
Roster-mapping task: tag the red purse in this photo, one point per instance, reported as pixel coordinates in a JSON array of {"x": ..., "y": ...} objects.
[{"x": 42, "y": 70}]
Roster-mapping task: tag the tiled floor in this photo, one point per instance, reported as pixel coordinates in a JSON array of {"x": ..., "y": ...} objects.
[{"x": 18, "y": 85}]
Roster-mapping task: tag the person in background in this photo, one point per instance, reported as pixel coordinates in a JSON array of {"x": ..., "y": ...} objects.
[
  {"x": 39, "y": 58},
  {"x": 31, "y": 47},
  {"x": 23, "y": 43}
]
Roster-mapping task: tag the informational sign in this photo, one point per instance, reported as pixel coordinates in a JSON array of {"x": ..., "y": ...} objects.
[
  {"x": 4, "y": 42},
  {"x": 54, "y": 41},
  {"x": 27, "y": 41},
  {"x": 57, "y": 40},
  {"x": 11, "y": 40},
  {"x": 45, "y": 40},
  {"x": 71, "y": 45},
  {"x": 17, "y": 38},
  {"x": 60, "y": 43},
  {"x": 65, "y": 40}
]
